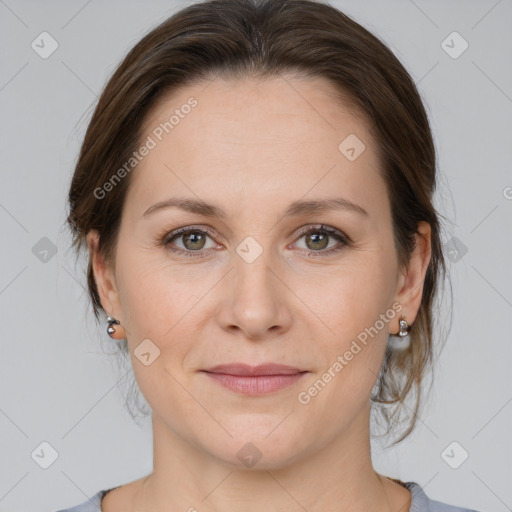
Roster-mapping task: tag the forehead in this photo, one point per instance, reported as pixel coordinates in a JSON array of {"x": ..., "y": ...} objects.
[
  {"x": 255, "y": 110},
  {"x": 255, "y": 138}
]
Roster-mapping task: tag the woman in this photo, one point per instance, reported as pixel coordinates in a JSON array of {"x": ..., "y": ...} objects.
[{"x": 255, "y": 191}]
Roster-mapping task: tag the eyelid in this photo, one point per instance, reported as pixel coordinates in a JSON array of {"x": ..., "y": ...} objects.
[
  {"x": 169, "y": 235},
  {"x": 322, "y": 227},
  {"x": 344, "y": 239}
]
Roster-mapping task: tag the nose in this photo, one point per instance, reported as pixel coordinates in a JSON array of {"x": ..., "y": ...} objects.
[{"x": 255, "y": 302}]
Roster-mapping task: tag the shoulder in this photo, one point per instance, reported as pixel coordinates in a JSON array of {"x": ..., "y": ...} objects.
[
  {"x": 93, "y": 504},
  {"x": 420, "y": 502}
]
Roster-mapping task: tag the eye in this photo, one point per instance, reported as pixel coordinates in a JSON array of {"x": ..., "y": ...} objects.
[
  {"x": 193, "y": 240},
  {"x": 317, "y": 240}
]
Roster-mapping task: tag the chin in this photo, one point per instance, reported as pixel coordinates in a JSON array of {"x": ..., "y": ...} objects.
[{"x": 255, "y": 449}]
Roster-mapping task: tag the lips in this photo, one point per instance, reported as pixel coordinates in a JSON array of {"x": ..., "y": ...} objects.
[
  {"x": 264, "y": 379},
  {"x": 241, "y": 369}
]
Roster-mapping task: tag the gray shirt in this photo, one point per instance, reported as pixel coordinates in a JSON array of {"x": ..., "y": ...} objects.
[{"x": 420, "y": 502}]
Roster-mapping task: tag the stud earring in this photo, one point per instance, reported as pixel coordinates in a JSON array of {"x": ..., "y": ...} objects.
[
  {"x": 401, "y": 340},
  {"x": 404, "y": 328},
  {"x": 110, "y": 329}
]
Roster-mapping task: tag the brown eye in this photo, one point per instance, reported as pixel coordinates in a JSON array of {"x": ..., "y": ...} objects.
[
  {"x": 188, "y": 241},
  {"x": 191, "y": 242},
  {"x": 194, "y": 240},
  {"x": 317, "y": 240}
]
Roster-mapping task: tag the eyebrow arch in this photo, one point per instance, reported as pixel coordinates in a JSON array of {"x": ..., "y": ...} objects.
[{"x": 300, "y": 207}]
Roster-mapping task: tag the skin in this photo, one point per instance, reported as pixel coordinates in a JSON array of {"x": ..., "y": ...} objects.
[{"x": 252, "y": 147}]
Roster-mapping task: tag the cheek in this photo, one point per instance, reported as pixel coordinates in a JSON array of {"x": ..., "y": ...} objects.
[
  {"x": 348, "y": 297},
  {"x": 153, "y": 291},
  {"x": 350, "y": 304},
  {"x": 158, "y": 306},
  {"x": 352, "y": 353},
  {"x": 162, "y": 302}
]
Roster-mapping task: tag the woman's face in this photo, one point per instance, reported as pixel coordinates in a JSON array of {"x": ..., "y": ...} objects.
[{"x": 257, "y": 281}]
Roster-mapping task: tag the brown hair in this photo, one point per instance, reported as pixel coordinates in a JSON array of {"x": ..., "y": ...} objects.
[{"x": 266, "y": 38}]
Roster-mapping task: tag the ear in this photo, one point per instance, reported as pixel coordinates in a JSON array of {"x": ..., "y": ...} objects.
[
  {"x": 104, "y": 277},
  {"x": 410, "y": 288}
]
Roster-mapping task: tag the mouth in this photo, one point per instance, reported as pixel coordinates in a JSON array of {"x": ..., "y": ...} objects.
[{"x": 255, "y": 380}]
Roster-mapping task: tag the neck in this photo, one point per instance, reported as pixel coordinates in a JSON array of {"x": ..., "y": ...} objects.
[{"x": 334, "y": 477}]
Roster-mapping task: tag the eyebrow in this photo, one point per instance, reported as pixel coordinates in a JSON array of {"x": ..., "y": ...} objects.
[{"x": 300, "y": 207}]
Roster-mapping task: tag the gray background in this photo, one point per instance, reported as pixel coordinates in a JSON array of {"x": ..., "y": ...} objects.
[{"x": 58, "y": 386}]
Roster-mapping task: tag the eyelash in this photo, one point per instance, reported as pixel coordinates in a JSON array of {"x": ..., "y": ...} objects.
[{"x": 345, "y": 240}]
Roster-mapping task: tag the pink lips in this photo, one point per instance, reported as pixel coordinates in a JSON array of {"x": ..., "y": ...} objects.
[{"x": 255, "y": 380}]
